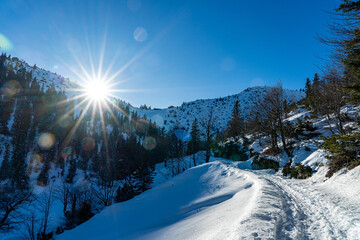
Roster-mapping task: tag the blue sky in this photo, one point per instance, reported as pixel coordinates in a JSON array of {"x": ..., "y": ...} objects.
[{"x": 173, "y": 51}]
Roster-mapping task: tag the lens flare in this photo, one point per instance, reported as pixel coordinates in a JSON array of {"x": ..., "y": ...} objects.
[
  {"x": 88, "y": 144},
  {"x": 66, "y": 121},
  {"x": 46, "y": 140},
  {"x": 159, "y": 120},
  {"x": 134, "y": 5},
  {"x": 66, "y": 152},
  {"x": 5, "y": 43},
  {"x": 149, "y": 143},
  {"x": 182, "y": 135},
  {"x": 11, "y": 88},
  {"x": 140, "y": 34}
]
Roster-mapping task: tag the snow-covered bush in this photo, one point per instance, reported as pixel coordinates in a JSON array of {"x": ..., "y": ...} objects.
[
  {"x": 343, "y": 151},
  {"x": 260, "y": 163},
  {"x": 299, "y": 171},
  {"x": 237, "y": 151}
]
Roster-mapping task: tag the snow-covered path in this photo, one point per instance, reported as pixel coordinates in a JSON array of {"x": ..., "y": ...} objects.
[
  {"x": 220, "y": 201},
  {"x": 313, "y": 211}
]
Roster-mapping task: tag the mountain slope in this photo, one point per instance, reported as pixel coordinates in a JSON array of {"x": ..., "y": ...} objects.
[
  {"x": 44, "y": 77},
  {"x": 184, "y": 115}
]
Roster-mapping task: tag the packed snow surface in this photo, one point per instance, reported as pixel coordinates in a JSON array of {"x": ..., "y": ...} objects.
[{"x": 217, "y": 200}]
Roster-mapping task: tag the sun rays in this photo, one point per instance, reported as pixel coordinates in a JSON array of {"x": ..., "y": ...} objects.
[{"x": 93, "y": 94}]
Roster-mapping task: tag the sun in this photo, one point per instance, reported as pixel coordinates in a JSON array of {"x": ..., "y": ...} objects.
[{"x": 97, "y": 90}]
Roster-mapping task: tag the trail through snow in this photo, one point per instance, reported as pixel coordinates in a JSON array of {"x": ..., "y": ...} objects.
[
  {"x": 217, "y": 200},
  {"x": 314, "y": 211}
]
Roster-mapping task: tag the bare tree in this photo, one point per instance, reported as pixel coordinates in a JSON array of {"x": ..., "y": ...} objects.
[
  {"x": 12, "y": 202},
  {"x": 104, "y": 189},
  {"x": 278, "y": 102},
  {"x": 46, "y": 201},
  {"x": 209, "y": 124},
  {"x": 269, "y": 114},
  {"x": 81, "y": 200},
  {"x": 333, "y": 97},
  {"x": 263, "y": 121},
  {"x": 62, "y": 193},
  {"x": 31, "y": 229}
]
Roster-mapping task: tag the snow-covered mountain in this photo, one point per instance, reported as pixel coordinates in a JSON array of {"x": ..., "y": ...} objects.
[
  {"x": 174, "y": 116},
  {"x": 44, "y": 77},
  {"x": 184, "y": 115}
]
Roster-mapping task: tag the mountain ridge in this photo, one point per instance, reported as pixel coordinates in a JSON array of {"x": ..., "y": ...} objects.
[{"x": 171, "y": 117}]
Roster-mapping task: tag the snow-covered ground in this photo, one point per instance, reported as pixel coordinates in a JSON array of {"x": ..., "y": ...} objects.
[
  {"x": 218, "y": 200},
  {"x": 227, "y": 200}
]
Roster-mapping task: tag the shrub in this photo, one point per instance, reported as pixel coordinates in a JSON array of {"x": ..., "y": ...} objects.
[
  {"x": 305, "y": 129},
  {"x": 343, "y": 151},
  {"x": 298, "y": 172},
  {"x": 260, "y": 163},
  {"x": 232, "y": 150},
  {"x": 287, "y": 169}
]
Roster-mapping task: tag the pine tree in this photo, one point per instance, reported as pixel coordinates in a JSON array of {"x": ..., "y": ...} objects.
[
  {"x": 5, "y": 166},
  {"x": 6, "y": 108},
  {"x": 20, "y": 130},
  {"x": 47, "y": 115},
  {"x": 43, "y": 178},
  {"x": 72, "y": 169},
  {"x": 308, "y": 87},
  {"x": 235, "y": 126},
  {"x": 3, "y": 69},
  {"x": 194, "y": 143},
  {"x": 143, "y": 173}
]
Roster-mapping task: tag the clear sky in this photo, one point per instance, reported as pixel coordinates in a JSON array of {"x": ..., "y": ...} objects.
[{"x": 171, "y": 51}]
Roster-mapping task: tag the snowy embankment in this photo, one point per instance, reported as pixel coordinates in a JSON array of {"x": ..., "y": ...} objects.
[
  {"x": 205, "y": 202},
  {"x": 218, "y": 200}
]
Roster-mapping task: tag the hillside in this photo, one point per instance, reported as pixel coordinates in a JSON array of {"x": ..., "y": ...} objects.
[
  {"x": 184, "y": 115},
  {"x": 228, "y": 200},
  {"x": 44, "y": 77}
]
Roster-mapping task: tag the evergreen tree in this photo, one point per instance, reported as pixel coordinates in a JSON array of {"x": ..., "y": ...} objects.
[
  {"x": 43, "y": 178},
  {"x": 6, "y": 108},
  {"x": 72, "y": 169},
  {"x": 3, "y": 69},
  {"x": 194, "y": 143},
  {"x": 307, "y": 91},
  {"x": 47, "y": 108},
  {"x": 235, "y": 126},
  {"x": 5, "y": 166},
  {"x": 143, "y": 173},
  {"x": 20, "y": 130}
]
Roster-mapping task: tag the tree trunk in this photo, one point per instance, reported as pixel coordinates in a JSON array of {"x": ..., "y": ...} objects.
[{"x": 282, "y": 133}]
